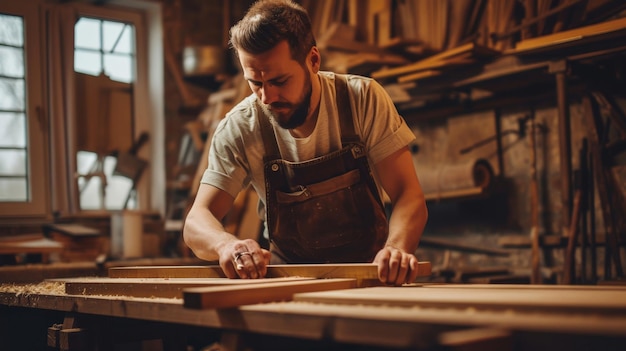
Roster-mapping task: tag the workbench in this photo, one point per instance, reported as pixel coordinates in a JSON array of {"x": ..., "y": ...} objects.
[{"x": 417, "y": 316}]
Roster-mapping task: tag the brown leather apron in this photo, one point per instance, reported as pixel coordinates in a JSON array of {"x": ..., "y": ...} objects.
[{"x": 326, "y": 209}]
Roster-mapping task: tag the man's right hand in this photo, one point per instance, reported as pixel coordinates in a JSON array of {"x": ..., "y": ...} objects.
[{"x": 244, "y": 259}]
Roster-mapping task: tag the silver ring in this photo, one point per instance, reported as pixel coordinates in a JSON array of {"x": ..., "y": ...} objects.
[{"x": 236, "y": 258}]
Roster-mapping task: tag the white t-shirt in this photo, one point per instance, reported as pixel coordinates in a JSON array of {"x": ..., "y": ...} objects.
[{"x": 236, "y": 154}]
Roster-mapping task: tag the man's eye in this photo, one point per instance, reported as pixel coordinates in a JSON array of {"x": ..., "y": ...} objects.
[{"x": 280, "y": 83}]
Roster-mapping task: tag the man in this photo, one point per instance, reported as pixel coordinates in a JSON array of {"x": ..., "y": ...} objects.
[{"x": 320, "y": 149}]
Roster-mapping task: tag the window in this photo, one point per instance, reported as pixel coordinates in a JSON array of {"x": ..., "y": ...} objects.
[
  {"x": 22, "y": 189},
  {"x": 45, "y": 155},
  {"x": 104, "y": 47},
  {"x": 104, "y": 50}
]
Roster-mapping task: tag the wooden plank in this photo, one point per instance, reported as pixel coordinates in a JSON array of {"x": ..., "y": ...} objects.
[
  {"x": 344, "y": 270},
  {"x": 434, "y": 61},
  {"x": 34, "y": 245},
  {"x": 155, "y": 287},
  {"x": 611, "y": 302},
  {"x": 525, "y": 287},
  {"x": 474, "y": 339},
  {"x": 233, "y": 296},
  {"x": 385, "y": 325},
  {"x": 569, "y": 36}
]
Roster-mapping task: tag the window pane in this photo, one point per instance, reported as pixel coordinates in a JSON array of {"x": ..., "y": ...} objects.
[
  {"x": 87, "y": 34},
  {"x": 85, "y": 161},
  {"x": 12, "y": 129},
  {"x": 111, "y": 32},
  {"x": 11, "y": 94},
  {"x": 13, "y": 162},
  {"x": 118, "y": 187},
  {"x": 13, "y": 190},
  {"x": 119, "y": 67},
  {"x": 126, "y": 44},
  {"x": 90, "y": 195},
  {"x": 87, "y": 62},
  {"x": 11, "y": 62},
  {"x": 11, "y": 30}
]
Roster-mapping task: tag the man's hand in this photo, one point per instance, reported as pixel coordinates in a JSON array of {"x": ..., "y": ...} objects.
[
  {"x": 396, "y": 267},
  {"x": 244, "y": 259}
]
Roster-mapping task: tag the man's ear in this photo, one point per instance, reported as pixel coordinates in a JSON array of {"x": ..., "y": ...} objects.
[{"x": 315, "y": 59}]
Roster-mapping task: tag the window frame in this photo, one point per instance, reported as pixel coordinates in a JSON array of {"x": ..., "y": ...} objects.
[
  {"x": 149, "y": 109},
  {"x": 37, "y": 204}
]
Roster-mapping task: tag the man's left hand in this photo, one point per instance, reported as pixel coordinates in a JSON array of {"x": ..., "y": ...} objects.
[{"x": 396, "y": 267}]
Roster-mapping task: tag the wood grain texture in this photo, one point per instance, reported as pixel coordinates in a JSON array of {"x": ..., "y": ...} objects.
[
  {"x": 599, "y": 301},
  {"x": 570, "y": 36},
  {"x": 347, "y": 270},
  {"x": 233, "y": 296},
  {"x": 388, "y": 325},
  {"x": 154, "y": 287}
]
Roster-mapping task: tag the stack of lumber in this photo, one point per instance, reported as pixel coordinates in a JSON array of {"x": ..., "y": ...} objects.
[
  {"x": 204, "y": 287},
  {"x": 403, "y": 42},
  {"x": 19, "y": 245},
  {"x": 80, "y": 243}
]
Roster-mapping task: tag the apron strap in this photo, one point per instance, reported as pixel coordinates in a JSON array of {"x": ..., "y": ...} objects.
[
  {"x": 346, "y": 122},
  {"x": 344, "y": 108}
]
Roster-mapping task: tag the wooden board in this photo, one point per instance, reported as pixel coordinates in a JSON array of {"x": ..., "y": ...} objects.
[
  {"x": 571, "y": 301},
  {"x": 399, "y": 328},
  {"x": 233, "y": 296},
  {"x": 347, "y": 270},
  {"x": 154, "y": 287},
  {"x": 574, "y": 36},
  {"x": 30, "y": 244}
]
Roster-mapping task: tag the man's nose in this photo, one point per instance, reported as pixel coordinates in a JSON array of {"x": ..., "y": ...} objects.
[{"x": 269, "y": 94}]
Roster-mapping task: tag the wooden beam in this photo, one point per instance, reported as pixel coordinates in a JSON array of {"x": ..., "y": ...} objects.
[
  {"x": 435, "y": 61},
  {"x": 344, "y": 270},
  {"x": 155, "y": 287},
  {"x": 570, "y": 36},
  {"x": 233, "y": 296},
  {"x": 611, "y": 302}
]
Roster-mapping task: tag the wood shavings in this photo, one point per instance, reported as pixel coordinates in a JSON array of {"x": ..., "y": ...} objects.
[{"x": 47, "y": 288}]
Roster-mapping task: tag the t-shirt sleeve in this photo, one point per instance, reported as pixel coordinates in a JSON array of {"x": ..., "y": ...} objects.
[
  {"x": 227, "y": 162},
  {"x": 383, "y": 130}
]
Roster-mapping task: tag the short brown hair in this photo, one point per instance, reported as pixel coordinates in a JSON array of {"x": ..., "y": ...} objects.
[{"x": 269, "y": 22}]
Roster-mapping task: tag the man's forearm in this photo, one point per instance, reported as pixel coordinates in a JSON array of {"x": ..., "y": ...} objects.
[
  {"x": 407, "y": 222},
  {"x": 204, "y": 234}
]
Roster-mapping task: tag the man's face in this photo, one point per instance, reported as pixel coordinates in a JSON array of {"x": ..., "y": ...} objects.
[{"x": 282, "y": 84}]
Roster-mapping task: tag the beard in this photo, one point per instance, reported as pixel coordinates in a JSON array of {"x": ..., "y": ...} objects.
[{"x": 297, "y": 113}]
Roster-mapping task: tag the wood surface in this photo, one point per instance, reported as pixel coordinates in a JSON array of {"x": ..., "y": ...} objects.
[
  {"x": 154, "y": 287},
  {"x": 371, "y": 325},
  {"x": 233, "y": 296},
  {"x": 570, "y": 36},
  {"x": 435, "y": 61},
  {"x": 360, "y": 271},
  {"x": 29, "y": 244},
  {"x": 597, "y": 301}
]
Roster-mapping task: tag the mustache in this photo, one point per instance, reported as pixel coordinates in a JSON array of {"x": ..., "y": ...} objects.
[{"x": 281, "y": 105}]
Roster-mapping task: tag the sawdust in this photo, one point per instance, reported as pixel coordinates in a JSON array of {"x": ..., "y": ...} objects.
[{"x": 43, "y": 288}]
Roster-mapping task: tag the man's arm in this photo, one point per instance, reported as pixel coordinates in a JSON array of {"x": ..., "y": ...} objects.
[
  {"x": 396, "y": 261},
  {"x": 206, "y": 237}
]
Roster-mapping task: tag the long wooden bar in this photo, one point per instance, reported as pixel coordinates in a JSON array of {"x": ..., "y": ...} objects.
[
  {"x": 321, "y": 305},
  {"x": 409, "y": 326},
  {"x": 360, "y": 271}
]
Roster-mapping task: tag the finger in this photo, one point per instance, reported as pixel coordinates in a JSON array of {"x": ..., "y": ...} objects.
[
  {"x": 254, "y": 264},
  {"x": 413, "y": 265},
  {"x": 244, "y": 264},
  {"x": 265, "y": 260},
  {"x": 395, "y": 262},
  {"x": 382, "y": 260},
  {"x": 403, "y": 269}
]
